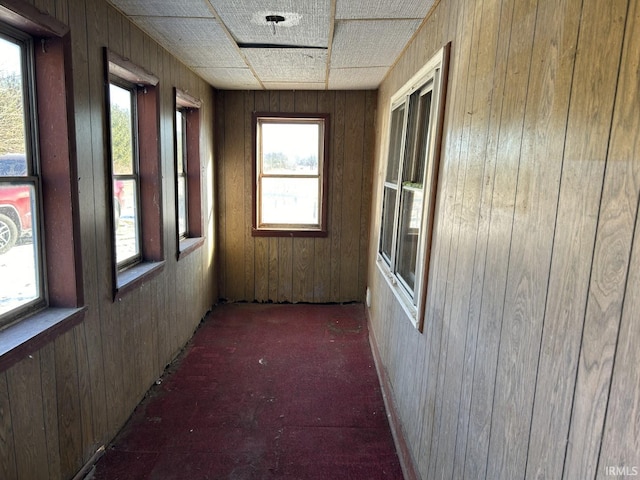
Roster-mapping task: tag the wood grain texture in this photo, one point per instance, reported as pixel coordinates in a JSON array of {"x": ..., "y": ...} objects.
[
  {"x": 27, "y": 421},
  {"x": 581, "y": 184},
  {"x": 68, "y": 400},
  {"x": 7, "y": 446},
  {"x": 531, "y": 250},
  {"x": 59, "y": 406},
  {"x": 611, "y": 257},
  {"x": 621, "y": 438},
  {"x": 298, "y": 269}
]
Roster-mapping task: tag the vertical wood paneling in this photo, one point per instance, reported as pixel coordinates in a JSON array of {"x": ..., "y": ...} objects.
[
  {"x": 234, "y": 156},
  {"x": 58, "y": 406},
  {"x": 68, "y": 398},
  {"x": 298, "y": 269},
  {"x": 7, "y": 446},
  {"x": 621, "y": 438},
  {"x": 322, "y": 246},
  {"x": 461, "y": 270},
  {"x": 336, "y": 199},
  {"x": 50, "y": 409},
  {"x": 520, "y": 370},
  {"x": 481, "y": 122},
  {"x": 88, "y": 91},
  {"x": 501, "y": 182},
  {"x": 581, "y": 183},
  {"x": 352, "y": 196},
  {"x": 539, "y": 172},
  {"x": 27, "y": 422},
  {"x": 610, "y": 264}
]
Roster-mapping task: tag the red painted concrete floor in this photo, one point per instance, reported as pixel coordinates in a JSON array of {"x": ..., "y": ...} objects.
[{"x": 263, "y": 391}]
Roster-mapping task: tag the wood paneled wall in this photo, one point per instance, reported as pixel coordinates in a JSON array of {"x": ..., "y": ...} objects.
[
  {"x": 331, "y": 269},
  {"x": 63, "y": 402},
  {"x": 528, "y": 366}
]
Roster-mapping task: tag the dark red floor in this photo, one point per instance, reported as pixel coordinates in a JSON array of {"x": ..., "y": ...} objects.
[{"x": 261, "y": 392}]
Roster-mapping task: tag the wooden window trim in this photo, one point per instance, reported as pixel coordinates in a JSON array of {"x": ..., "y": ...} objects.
[
  {"x": 149, "y": 175},
  {"x": 195, "y": 225},
  {"x": 322, "y": 231},
  {"x": 58, "y": 172}
]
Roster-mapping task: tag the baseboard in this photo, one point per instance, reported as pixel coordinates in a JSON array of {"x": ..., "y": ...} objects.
[{"x": 406, "y": 461}]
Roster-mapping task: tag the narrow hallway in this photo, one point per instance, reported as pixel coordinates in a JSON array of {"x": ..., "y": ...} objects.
[{"x": 263, "y": 391}]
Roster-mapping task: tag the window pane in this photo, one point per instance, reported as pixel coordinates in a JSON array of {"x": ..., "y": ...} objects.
[
  {"x": 395, "y": 144},
  {"x": 19, "y": 276},
  {"x": 180, "y": 157},
  {"x": 290, "y": 201},
  {"x": 419, "y": 133},
  {"x": 127, "y": 234},
  {"x": 388, "y": 213},
  {"x": 290, "y": 148},
  {"x": 121, "y": 130},
  {"x": 410, "y": 223},
  {"x": 182, "y": 206},
  {"x": 12, "y": 117}
]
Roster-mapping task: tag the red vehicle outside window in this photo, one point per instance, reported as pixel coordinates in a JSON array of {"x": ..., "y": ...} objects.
[{"x": 15, "y": 203}]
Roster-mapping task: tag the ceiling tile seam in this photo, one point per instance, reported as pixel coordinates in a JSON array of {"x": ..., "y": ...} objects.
[
  {"x": 190, "y": 17},
  {"x": 359, "y": 68},
  {"x": 374, "y": 19},
  {"x": 233, "y": 41},
  {"x": 332, "y": 26},
  {"x": 410, "y": 41}
]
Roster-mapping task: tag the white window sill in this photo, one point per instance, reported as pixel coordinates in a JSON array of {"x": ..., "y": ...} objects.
[{"x": 403, "y": 299}]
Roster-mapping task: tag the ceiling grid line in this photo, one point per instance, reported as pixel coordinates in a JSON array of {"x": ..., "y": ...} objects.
[{"x": 283, "y": 44}]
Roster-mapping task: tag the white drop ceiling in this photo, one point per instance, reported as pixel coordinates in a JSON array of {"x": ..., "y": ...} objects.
[{"x": 321, "y": 44}]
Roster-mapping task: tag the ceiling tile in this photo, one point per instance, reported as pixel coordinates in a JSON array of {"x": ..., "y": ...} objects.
[
  {"x": 370, "y": 43},
  {"x": 347, "y": 9},
  {"x": 356, "y": 78},
  {"x": 306, "y": 23},
  {"x": 164, "y": 8},
  {"x": 294, "y": 86},
  {"x": 229, "y": 78},
  {"x": 198, "y": 42},
  {"x": 290, "y": 65}
]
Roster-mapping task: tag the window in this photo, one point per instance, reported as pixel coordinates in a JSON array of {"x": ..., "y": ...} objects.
[
  {"x": 124, "y": 164},
  {"x": 134, "y": 165},
  {"x": 40, "y": 274},
  {"x": 181, "y": 172},
  {"x": 21, "y": 265},
  {"x": 408, "y": 197},
  {"x": 188, "y": 192},
  {"x": 290, "y": 174}
]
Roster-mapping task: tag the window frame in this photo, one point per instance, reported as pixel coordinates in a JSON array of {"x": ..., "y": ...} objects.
[
  {"x": 291, "y": 230},
  {"x": 31, "y": 179},
  {"x": 134, "y": 176},
  {"x": 181, "y": 173},
  {"x": 405, "y": 149},
  {"x": 126, "y": 278},
  {"x": 29, "y": 330},
  {"x": 190, "y": 108}
]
